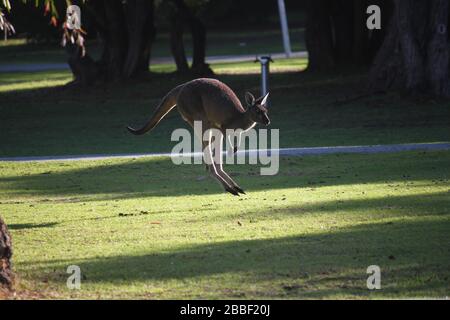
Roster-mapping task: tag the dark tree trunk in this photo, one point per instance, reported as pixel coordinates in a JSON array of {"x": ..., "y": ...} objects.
[
  {"x": 437, "y": 67},
  {"x": 318, "y": 37},
  {"x": 360, "y": 37},
  {"x": 342, "y": 21},
  {"x": 141, "y": 33},
  {"x": 386, "y": 69},
  {"x": 6, "y": 274},
  {"x": 185, "y": 17},
  {"x": 199, "y": 43},
  {"x": 176, "y": 42},
  {"x": 127, "y": 31},
  {"x": 114, "y": 39},
  {"x": 337, "y": 36},
  {"x": 84, "y": 69},
  {"x": 377, "y": 36},
  {"x": 411, "y": 33},
  {"x": 415, "y": 53}
]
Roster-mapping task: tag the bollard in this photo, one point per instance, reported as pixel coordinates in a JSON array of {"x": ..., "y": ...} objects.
[{"x": 265, "y": 62}]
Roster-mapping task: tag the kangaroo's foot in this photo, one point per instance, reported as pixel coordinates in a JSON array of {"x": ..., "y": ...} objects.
[
  {"x": 239, "y": 189},
  {"x": 230, "y": 181},
  {"x": 229, "y": 187},
  {"x": 231, "y": 190},
  {"x": 233, "y": 184}
]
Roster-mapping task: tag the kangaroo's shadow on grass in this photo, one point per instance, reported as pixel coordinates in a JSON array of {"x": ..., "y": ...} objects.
[{"x": 317, "y": 265}]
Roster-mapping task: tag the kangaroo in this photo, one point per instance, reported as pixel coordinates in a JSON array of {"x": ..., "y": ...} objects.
[{"x": 216, "y": 106}]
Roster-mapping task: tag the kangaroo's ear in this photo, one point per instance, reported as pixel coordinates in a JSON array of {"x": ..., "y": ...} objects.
[
  {"x": 264, "y": 100},
  {"x": 249, "y": 99}
]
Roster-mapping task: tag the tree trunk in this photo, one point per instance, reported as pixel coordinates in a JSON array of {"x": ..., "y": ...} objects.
[
  {"x": 127, "y": 32},
  {"x": 184, "y": 16},
  {"x": 6, "y": 274},
  {"x": 411, "y": 42},
  {"x": 342, "y": 24},
  {"x": 337, "y": 36},
  {"x": 386, "y": 69},
  {"x": 199, "y": 45},
  {"x": 115, "y": 39},
  {"x": 83, "y": 68},
  {"x": 318, "y": 36},
  {"x": 437, "y": 68},
  {"x": 176, "y": 42},
  {"x": 141, "y": 33},
  {"x": 415, "y": 53},
  {"x": 376, "y": 37},
  {"x": 360, "y": 34}
]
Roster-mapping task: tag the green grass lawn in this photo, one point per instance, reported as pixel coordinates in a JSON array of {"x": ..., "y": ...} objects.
[{"x": 146, "y": 228}]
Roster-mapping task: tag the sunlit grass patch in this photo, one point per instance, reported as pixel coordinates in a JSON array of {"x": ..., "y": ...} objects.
[
  {"x": 279, "y": 66},
  {"x": 18, "y": 81}
]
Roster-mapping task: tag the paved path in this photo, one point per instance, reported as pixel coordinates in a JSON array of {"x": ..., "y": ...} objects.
[
  {"x": 35, "y": 67},
  {"x": 283, "y": 151}
]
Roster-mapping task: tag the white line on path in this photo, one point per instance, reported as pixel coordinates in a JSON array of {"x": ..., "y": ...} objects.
[{"x": 283, "y": 152}]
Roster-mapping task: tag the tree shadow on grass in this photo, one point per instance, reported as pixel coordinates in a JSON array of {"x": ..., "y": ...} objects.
[
  {"x": 413, "y": 256},
  {"x": 23, "y": 226},
  {"x": 160, "y": 177}
]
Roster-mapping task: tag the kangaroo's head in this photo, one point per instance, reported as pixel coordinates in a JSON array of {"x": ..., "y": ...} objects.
[{"x": 257, "y": 108}]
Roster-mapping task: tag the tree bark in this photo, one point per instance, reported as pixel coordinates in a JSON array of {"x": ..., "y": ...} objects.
[
  {"x": 342, "y": 24},
  {"x": 83, "y": 68},
  {"x": 115, "y": 39},
  {"x": 437, "y": 68},
  {"x": 318, "y": 36},
  {"x": 386, "y": 69},
  {"x": 337, "y": 36},
  {"x": 127, "y": 32},
  {"x": 415, "y": 53},
  {"x": 176, "y": 42},
  {"x": 184, "y": 16},
  {"x": 360, "y": 34},
  {"x": 141, "y": 33},
  {"x": 410, "y": 41},
  {"x": 6, "y": 274}
]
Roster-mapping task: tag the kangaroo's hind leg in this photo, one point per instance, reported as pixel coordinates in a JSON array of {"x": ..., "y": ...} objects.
[
  {"x": 219, "y": 165},
  {"x": 211, "y": 163}
]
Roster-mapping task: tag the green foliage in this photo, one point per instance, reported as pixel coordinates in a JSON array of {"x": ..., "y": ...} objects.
[
  {"x": 49, "y": 6},
  {"x": 6, "y": 4}
]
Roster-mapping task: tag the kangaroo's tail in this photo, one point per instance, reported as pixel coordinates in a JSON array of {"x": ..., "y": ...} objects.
[{"x": 167, "y": 103}]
